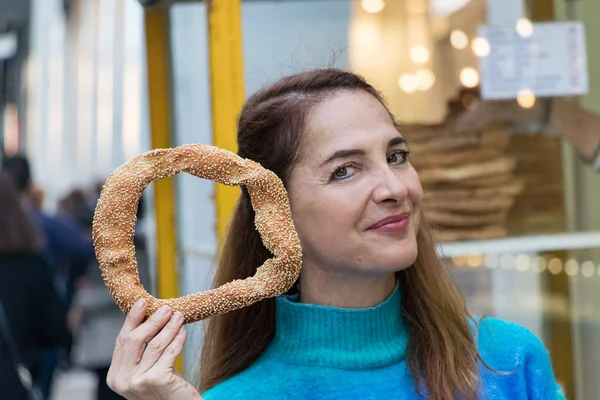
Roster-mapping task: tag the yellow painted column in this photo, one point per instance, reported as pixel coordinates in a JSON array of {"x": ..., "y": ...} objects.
[
  {"x": 160, "y": 101},
  {"x": 227, "y": 91}
]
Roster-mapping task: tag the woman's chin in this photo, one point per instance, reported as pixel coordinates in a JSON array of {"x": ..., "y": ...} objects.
[{"x": 394, "y": 262}]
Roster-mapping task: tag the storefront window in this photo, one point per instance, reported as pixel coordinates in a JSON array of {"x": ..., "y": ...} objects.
[{"x": 512, "y": 204}]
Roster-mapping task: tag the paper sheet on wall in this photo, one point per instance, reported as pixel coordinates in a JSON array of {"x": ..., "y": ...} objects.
[{"x": 552, "y": 61}]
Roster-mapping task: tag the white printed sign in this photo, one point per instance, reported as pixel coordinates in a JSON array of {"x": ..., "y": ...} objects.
[{"x": 552, "y": 61}]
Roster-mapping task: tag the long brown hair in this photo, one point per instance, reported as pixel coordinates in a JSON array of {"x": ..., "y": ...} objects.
[
  {"x": 441, "y": 354},
  {"x": 17, "y": 235}
]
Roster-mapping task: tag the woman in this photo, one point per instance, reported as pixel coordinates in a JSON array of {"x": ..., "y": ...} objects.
[
  {"x": 35, "y": 318},
  {"x": 375, "y": 314}
]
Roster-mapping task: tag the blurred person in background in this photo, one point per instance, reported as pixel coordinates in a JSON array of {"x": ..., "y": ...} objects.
[
  {"x": 62, "y": 238},
  {"x": 34, "y": 315},
  {"x": 37, "y": 197},
  {"x": 554, "y": 116},
  {"x": 75, "y": 208},
  {"x": 96, "y": 319},
  {"x": 62, "y": 242}
]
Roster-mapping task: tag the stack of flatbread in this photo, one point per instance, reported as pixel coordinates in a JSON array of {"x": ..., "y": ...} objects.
[{"x": 468, "y": 180}]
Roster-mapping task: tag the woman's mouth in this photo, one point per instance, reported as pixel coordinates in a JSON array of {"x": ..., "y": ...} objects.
[{"x": 393, "y": 223}]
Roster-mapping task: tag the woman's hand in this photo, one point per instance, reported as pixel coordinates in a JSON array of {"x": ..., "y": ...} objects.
[{"x": 145, "y": 372}]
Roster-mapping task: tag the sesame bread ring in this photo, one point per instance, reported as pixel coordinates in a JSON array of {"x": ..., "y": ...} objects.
[{"x": 115, "y": 217}]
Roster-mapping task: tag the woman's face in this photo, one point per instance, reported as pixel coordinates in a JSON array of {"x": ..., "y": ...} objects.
[{"x": 355, "y": 198}]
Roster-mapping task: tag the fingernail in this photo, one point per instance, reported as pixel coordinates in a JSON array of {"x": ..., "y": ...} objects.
[
  {"x": 164, "y": 310},
  {"x": 177, "y": 317},
  {"x": 140, "y": 303}
]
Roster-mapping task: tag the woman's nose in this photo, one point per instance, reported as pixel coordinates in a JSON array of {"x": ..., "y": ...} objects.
[{"x": 389, "y": 187}]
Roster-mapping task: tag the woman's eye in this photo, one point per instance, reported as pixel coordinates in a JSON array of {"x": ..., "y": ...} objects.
[
  {"x": 399, "y": 157},
  {"x": 342, "y": 172}
]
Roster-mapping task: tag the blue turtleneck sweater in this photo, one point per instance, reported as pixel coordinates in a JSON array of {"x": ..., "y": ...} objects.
[{"x": 329, "y": 353}]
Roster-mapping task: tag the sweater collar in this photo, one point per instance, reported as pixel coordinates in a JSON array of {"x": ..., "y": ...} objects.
[{"x": 339, "y": 338}]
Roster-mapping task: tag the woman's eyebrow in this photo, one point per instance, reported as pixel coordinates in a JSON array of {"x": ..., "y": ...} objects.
[
  {"x": 398, "y": 140},
  {"x": 345, "y": 153}
]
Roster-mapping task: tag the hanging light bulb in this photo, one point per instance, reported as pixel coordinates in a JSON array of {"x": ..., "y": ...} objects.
[
  {"x": 524, "y": 27},
  {"x": 474, "y": 260},
  {"x": 425, "y": 79},
  {"x": 408, "y": 83},
  {"x": 419, "y": 54},
  {"x": 480, "y": 46},
  {"x": 373, "y": 6},
  {"x": 469, "y": 77},
  {"x": 555, "y": 266},
  {"x": 540, "y": 264},
  {"x": 587, "y": 269},
  {"x": 459, "y": 261},
  {"x": 526, "y": 98},
  {"x": 523, "y": 262},
  {"x": 458, "y": 39},
  {"x": 491, "y": 260},
  {"x": 571, "y": 267}
]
